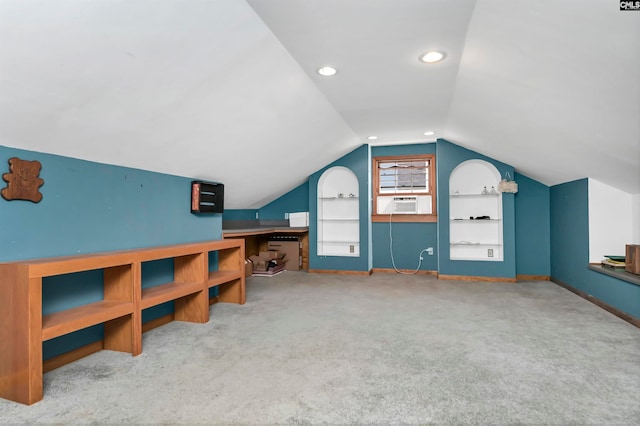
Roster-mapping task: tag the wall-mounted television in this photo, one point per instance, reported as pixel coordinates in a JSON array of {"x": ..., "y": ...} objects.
[{"x": 207, "y": 197}]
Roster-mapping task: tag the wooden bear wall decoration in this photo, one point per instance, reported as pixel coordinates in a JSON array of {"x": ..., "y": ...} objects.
[{"x": 22, "y": 180}]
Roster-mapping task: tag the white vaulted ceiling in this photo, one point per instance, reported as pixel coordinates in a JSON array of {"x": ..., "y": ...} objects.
[
  {"x": 381, "y": 88},
  {"x": 226, "y": 90}
]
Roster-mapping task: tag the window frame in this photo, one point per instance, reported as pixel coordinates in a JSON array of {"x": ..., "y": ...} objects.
[{"x": 386, "y": 217}]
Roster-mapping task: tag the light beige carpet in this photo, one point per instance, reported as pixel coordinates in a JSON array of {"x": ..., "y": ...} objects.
[{"x": 316, "y": 348}]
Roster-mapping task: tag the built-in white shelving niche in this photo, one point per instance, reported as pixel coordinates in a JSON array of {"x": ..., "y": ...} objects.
[
  {"x": 475, "y": 212},
  {"x": 338, "y": 213}
]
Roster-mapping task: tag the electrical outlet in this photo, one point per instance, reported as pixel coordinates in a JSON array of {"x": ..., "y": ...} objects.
[
  {"x": 430, "y": 251},
  {"x": 257, "y": 215},
  {"x": 490, "y": 252},
  {"x": 352, "y": 248},
  {"x": 286, "y": 215}
]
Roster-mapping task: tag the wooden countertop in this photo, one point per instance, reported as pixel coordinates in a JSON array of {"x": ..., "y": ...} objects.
[{"x": 261, "y": 230}]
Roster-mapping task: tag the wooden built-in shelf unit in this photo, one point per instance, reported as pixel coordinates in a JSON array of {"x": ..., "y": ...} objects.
[{"x": 23, "y": 327}]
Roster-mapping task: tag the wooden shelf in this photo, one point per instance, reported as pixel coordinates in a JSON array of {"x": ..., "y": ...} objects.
[
  {"x": 177, "y": 250},
  {"x": 217, "y": 278},
  {"x": 70, "y": 320},
  {"x": 475, "y": 195},
  {"x": 67, "y": 265},
  {"x": 23, "y": 327},
  {"x": 158, "y": 294}
]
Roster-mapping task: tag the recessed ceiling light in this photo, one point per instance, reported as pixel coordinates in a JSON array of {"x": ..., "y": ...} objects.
[
  {"x": 432, "y": 57},
  {"x": 429, "y": 133},
  {"x": 372, "y": 138},
  {"x": 327, "y": 71}
]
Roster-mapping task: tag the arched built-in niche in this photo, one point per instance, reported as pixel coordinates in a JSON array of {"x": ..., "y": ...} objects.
[
  {"x": 475, "y": 212},
  {"x": 338, "y": 213}
]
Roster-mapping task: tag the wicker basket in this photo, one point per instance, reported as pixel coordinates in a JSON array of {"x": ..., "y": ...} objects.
[{"x": 508, "y": 186}]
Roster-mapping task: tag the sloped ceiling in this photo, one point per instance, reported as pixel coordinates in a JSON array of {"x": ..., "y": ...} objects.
[
  {"x": 381, "y": 88},
  {"x": 552, "y": 88},
  {"x": 191, "y": 88},
  {"x": 226, "y": 90}
]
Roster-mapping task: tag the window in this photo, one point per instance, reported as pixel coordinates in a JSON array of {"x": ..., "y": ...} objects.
[
  {"x": 408, "y": 177},
  {"x": 404, "y": 188}
]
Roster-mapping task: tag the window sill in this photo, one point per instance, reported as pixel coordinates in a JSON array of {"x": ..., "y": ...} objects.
[
  {"x": 620, "y": 274},
  {"x": 404, "y": 218}
]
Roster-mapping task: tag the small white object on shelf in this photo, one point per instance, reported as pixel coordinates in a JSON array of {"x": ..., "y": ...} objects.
[{"x": 298, "y": 220}]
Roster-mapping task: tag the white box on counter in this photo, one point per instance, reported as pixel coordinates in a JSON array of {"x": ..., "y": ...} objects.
[{"x": 299, "y": 219}]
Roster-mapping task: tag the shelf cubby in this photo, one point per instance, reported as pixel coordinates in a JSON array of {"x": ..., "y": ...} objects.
[
  {"x": 158, "y": 294},
  {"x": 74, "y": 319},
  {"x": 338, "y": 213},
  {"x": 475, "y": 239}
]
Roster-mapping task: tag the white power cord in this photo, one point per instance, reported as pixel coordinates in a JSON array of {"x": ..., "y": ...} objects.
[{"x": 393, "y": 262}]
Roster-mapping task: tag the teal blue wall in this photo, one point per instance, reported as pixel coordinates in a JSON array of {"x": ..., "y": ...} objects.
[
  {"x": 358, "y": 162},
  {"x": 533, "y": 227},
  {"x": 570, "y": 231},
  {"x": 239, "y": 214},
  {"x": 527, "y": 221},
  {"x": 296, "y": 200},
  {"x": 408, "y": 238},
  {"x": 410, "y": 149},
  {"x": 448, "y": 156},
  {"x": 90, "y": 207},
  {"x": 570, "y": 250}
]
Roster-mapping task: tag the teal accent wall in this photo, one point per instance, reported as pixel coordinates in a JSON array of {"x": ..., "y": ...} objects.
[
  {"x": 570, "y": 232},
  {"x": 533, "y": 227},
  {"x": 91, "y": 207},
  {"x": 448, "y": 156},
  {"x": 409, "y": 239},
  {"x": 410, "y": 149},
  {"x": 239, "y": 214},
  {"x": 570, "y": 250},
  {"x": 296, "y": 200},
  {"x": 358, "y": 162}
]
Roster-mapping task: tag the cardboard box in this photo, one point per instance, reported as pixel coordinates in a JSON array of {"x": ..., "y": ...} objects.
[
  {"x": 291, "y": 251},
  {"x": 259, "y": 263},
  {"x": 271, "y": 271},
  {"x": 271, "y": 254},
  {"x": 266, "y": 261},
  {"x": 248, "y": 268}
]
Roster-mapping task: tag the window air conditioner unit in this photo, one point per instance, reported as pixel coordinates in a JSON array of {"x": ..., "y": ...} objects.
[{"x": 405, "y": 205}]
